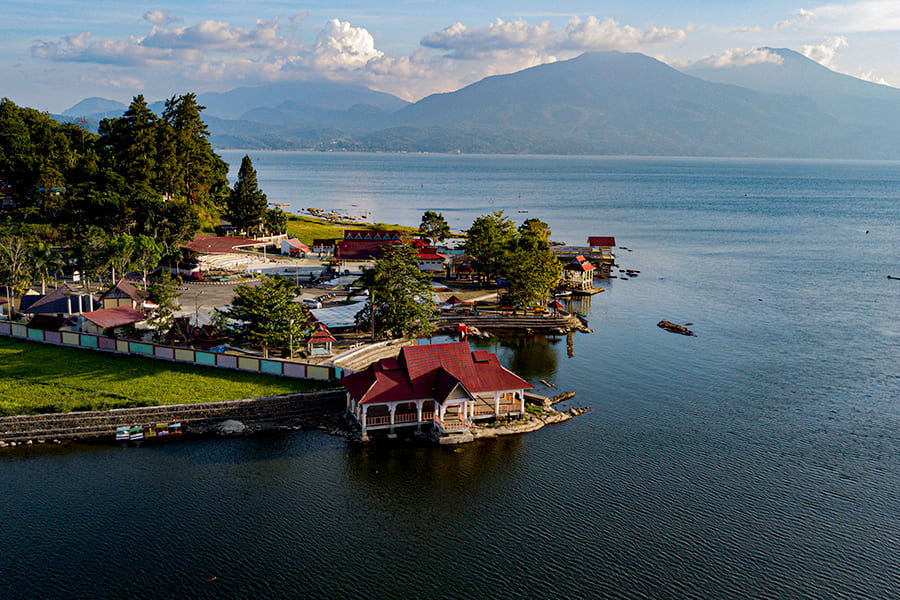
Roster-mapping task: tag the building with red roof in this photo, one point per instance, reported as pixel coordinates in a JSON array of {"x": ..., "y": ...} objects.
[
  {"x": 579, "y": 274},
  {"x": 218, "y": 244},
  {"x": 363, "y": 244},
  {"x": 107, "y": 320},
  {"x": 320, "y": 342},
  {"x": 445, "y": 385},
  {"x": 601, "y": 246},
  {"x": 431, "y": 261}
]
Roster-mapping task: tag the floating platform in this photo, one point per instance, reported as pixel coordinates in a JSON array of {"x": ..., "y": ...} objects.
[{"x": 588, "y": 292}]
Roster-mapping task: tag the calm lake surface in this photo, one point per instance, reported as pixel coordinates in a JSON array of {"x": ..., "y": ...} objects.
[{"x": 759, "y": 459}]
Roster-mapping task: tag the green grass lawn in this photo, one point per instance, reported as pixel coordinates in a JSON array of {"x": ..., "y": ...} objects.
[
  {"x": 39, "y": 378},
  {"x": 306, "y": 229}
]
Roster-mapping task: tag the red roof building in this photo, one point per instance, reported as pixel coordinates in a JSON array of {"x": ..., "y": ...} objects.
[
  {"x": 363, "y": 244},
  {"x": 597, "y": 241},
  {"x": 99, "y": 321},
  {"x": 601, "y": 247},
  {"x": 216, "y": 244},
  {"x": 447, "y": 385},
  {"x": 320, "y": 342},
  {"x": 579, "y": 274}
]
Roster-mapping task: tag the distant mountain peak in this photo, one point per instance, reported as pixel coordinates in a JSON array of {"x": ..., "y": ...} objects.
[{"x": 95, "y": 106}]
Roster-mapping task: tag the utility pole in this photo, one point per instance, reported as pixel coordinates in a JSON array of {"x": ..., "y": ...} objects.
[{"x": 372, "y": 310}]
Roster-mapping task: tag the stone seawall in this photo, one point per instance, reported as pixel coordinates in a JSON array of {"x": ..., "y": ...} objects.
[{"x": 61, "y": 426}]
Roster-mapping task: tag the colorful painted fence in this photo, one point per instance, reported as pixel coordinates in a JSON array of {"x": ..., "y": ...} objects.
[{"x": 266, "y": 366}]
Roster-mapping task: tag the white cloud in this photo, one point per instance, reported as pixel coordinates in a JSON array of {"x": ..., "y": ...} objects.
[
  {"x": 340, "y": 46},
  {"x": 825, "y": 52},
  {"x": 750, "y": 29},
  {"x": 216, "y": 51},
  {"x": 801, "y": 14},
  {"x": 218, "y": 35},
  {"x": 161, "y": 17},
  {"x": 869, "y": 15},
  {"x": 738, "y": 57},
  {"x": 589, "y": 33}
]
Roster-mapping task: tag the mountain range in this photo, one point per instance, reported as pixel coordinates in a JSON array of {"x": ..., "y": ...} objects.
[{"x": 608, "y": 103}]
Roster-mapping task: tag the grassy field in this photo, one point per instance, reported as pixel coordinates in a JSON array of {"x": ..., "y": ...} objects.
[
  {"x": 38, "y": 378},
  {"x": 306, "y": 228}
]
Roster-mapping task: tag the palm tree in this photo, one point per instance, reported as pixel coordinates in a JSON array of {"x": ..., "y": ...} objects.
[{"x": 45, "y": 260}]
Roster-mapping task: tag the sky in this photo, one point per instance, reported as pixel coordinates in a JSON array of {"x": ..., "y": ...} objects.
[{"x": 54, "y": 53}]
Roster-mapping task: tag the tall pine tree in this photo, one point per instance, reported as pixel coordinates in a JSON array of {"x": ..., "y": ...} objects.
[{"x": 247, "y": 203}]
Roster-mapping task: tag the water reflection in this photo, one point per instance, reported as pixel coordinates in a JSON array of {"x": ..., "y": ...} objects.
[{"x": 529, "y": 356}]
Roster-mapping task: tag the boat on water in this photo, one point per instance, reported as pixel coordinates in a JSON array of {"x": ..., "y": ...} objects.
[
  {"x": 136, "y": 433},
  {"x": 122, "y": 433}
]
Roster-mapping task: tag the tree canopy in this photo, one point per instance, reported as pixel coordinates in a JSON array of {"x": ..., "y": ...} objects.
[
  {"x": 434, "y": 227},
  {"x": 246, "y": 203},
  {"x": 400, "y": 293},
  {"x": 265, "y": 315},
  {"x": 489, "y": 240}
]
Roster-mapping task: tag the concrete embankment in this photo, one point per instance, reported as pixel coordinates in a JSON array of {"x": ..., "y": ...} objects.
[
  {"x": 94, "y": 424},
  {"x": 511, "y": 323}
]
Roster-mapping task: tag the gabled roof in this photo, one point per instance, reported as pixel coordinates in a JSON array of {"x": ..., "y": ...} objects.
[
  {"x": 57, "y": 301},
  {"x": 328, "y": 243},
  {"x": 370, "y": 235},
  {"x": 579, "y": 263},
  {"x": 295, "y": 243},
  {"x": 602, "y": 241},
  {"x": 321, "y": 336},
  {"x": 114, "y": 317},
  {"x": 422, "y": 372},
  {"x": 123, "y": 289}
]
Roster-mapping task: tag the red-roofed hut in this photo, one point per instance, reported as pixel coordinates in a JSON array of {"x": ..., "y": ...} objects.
[{"x": 445, "y": 385}]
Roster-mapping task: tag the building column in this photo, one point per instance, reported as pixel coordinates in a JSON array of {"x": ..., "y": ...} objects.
[
  {"x": 496, "y": 404},
  {"x": 365, "y": 408},
  {"x": 392, "y": 408},
  {"x": 418, "y": 415}
]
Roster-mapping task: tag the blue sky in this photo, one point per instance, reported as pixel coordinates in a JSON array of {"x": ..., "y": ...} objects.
[{"x": 54, "y": 53}]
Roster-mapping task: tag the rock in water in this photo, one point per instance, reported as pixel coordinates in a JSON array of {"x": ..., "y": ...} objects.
[
  {"x": 230, "y": 427},
  {"x": 674, "y": 327}
]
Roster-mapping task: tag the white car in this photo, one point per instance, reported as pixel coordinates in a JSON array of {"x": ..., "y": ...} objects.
[{"x": 311, "y": 303}]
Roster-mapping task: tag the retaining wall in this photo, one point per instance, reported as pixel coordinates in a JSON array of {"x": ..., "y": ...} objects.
[
  {"x": 103, "y": 423},
  {"x": 267, "y": 366}
]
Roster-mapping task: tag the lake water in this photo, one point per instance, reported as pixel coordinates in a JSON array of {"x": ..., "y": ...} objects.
[{"x": 759, "y": 459}]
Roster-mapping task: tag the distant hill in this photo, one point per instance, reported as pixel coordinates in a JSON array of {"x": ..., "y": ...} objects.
[
  {"x": 326, "y": 97},
  {"x": 609, "y": 103},
  {"x": 848, "y": 99},
  {"x": 615, "y": 103},
  {"x": 96, "y": 108}
]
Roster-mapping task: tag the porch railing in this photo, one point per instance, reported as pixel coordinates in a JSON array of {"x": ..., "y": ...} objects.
[{"x": 450, "y": 426}]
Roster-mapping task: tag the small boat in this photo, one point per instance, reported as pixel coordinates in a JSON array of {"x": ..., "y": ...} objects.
[
  {"x": 581, "y": 317},
  {"x": 175, "y": 429},
  {"x": 136, "y": 433},
  {"x": 122, "y": 434},
  {"x": 162, "y": 430},
  {"x": 150, "y": 432}
]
